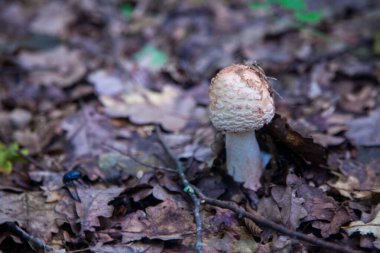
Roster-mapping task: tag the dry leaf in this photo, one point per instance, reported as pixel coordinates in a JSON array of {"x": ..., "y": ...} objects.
[
  {"x": 31, "y": 211},
  {"x": 365, "y": 131},
  {"x": 341, "y": 217},
  {"x": 166, "y": 221},
  {"x": 59, "y": 66},
  {"x": 94, "y": 203},
  {"x": 372, "y": 227},
  {"x": 251, "y": 225},
  {"x": 292, "y": 210},
  {"x": 106, "y": 83},
  {"x": 167, "y": 108},
  {"x": 52, "y": 18}
]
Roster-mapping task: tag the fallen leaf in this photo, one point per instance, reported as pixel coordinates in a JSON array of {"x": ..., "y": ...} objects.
[
  {"x": 197, "y": 145},
  {"x": 31, "y": 211},
  {"x": 318, "y": 205},
  {"x": 268, "y": 208},
  {"x": 168, "y": 107},
  {"x": 52, "y": 18},
  {"x": 341, "y": 217},
  {"x": 116, "y": 165},
  {"x": 357, "y": 181},
  {"x": 29, "y": 140},
  {"x": 372, "y": 227},
  {"x": 292, "y": 210},
  {"x": 20, "y": 117},
  {"x": 106, "y": 83},
  {"x": 359, "y": 101},
  {"x": 88, "y": 131},
  {"x": 327, "y": 140},
  {"x": 49, "y": 179},
  {"x": 224, "y": 232},
  {"x": 59, "y": 66},
  {"x": 133, "y": 247},
  {"x": 306, "y": 148},
  {"x": 348, "y": 187},
  {"x": 166, "y": 221},
  {"x": 94, "y": 204},
  {"x": 365, "y": 130}
]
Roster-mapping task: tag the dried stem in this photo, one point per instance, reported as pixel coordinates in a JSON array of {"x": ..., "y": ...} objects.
[
  {"x": 188, "y": 188},
  {"x": 138, "y": 161},
  {"x": 36, "y": 244}
]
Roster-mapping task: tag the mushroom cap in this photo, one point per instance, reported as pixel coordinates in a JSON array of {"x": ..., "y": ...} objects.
[{"x": 240, "y": 99}]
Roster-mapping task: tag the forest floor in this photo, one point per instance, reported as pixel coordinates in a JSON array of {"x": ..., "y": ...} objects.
[{"x": 106, "y": 144}]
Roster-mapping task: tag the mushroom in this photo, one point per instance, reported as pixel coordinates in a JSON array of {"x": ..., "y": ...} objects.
[{"x": 241, "y": 102}]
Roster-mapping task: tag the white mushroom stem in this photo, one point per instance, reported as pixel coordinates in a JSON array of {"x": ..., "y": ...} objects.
[{"x": 243, "y": 157}]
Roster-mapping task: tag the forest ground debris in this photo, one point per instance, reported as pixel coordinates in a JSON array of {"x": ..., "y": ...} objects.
[{"x": 198, "y": 198}]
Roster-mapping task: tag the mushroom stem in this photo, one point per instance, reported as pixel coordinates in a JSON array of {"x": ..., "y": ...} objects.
[{"x": 243, "y": 157}]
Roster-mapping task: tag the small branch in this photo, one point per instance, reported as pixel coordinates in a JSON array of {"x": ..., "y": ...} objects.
[
  {"x": 138, "y": 161},
  {"x": 36, "y": 244},
  {"x": 263, "y": 222},
  {"x": 31, "y": 160},
  {"x": 188, "y": 188}
]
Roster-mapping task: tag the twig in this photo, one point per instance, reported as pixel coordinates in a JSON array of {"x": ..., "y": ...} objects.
[
  {"x": 36, "y": 244},
  {"x": 263, "y": 222},
  {"x": 188, "y": 188},
  {"x": 31, "y": 160},
  {"x": 138, "y": 161}
]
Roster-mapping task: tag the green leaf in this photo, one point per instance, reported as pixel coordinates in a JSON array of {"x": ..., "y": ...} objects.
[
  {"x": 151, "y": 57},
  {"x": 376, "y": 44},
  {"x": 13, "y": 149},
  {"x": 9, "y": 154},
  {"x": 127, "y": 10},
  {"x": 25, "y": 151},
  {"x": 293, "y": 4},
  {"x": 7, "y": 169},
  {"x": 310, "y": 17},
  {"x": 258, "y": 5},
  {"x": 3, "y": 158}
]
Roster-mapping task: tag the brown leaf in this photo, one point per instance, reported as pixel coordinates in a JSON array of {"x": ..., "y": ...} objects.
[
  {"x": 357, "y": 181},
  {"x": 166, "y": 221},
  {"x": 224, "y": 233},
  {"x": 168, "y": 107},
  {"x": 327, "y": 140},
  {"x": 94, "y": 203},
  {"x": 88, "y": 131},
  {"x": 59, "y": 66},
  {"x": 252, "y": 226},
  {"x": 28, "y": 139},
  {"x": 341, "y": 217},
  {"x": 292, "y": 210},
  {"x": 52, "y": 18},
  {"x": 365, "y": 130},
  {"x": 306, "y": 148},
  {"x": 106, "y": 83},
  {"x": 133, "y": 247},
  {"x": 318, "y": 205},
  {"x": 31, "y": 211},
  {"x": 51, "y": 180},
  {"x": 268, "y": 208}
]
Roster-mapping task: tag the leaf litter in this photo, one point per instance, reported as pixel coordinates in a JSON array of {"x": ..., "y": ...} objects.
[{"x": 83, "y": 86}]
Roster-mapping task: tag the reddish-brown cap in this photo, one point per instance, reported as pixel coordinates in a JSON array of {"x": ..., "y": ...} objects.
[{"x": 240, "y": 99}]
